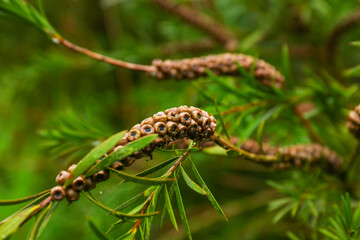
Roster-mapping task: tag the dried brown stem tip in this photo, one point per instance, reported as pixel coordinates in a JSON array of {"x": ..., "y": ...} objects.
[
  {"x": 217, "y": 31},
  {"x": 299, "y": 155},
  {"x": 353, "y": 122},
  {"x": 221, "y": 64}
]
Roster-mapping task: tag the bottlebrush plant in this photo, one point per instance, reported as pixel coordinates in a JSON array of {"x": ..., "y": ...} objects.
[{"x": 296, "y": 124}]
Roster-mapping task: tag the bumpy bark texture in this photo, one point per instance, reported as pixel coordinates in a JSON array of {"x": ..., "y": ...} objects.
[{"x": 221, "y": 64}]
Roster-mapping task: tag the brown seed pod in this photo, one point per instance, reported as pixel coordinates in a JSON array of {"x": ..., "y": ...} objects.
[
  {"x": 148, "y": 120},
  {"x": 90, "y": 184},
  {"x": 160, "y": 117},
  {"x": 57, "y": 193},
  {"x": 160, "y": 128},
  {"x": 172, "y": 127},
  {"x": 71, "y": 168},
  {"x": 185, "y": 118},
  {"x": 101, "y": 176},
  {"x": 197, "y": 116},
  {"x": 128, "y": 161},
  {"x": 173, "y": 116},
  {"x": 353, "y": 122},
  {"x": 133, "y": 135},
  {"x": 71, "y": 195},
  {"x": 123, "y": 141},
  {"x": 222, "y": 64},
  {"x": 117, "y": 165},
  {"x": 78, "y": 184},
  {"x": 146, "y": 129},
  {"x": 61, "y": 177}
]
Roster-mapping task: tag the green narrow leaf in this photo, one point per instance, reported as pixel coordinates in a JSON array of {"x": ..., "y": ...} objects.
[
  {"x": 24, "y": 199},
  {"x": 121, "y": 153},
  {"x": 169, "y": 209},
  {"x": 156, "y": 168},
  {"x": 329, "y": 234},
  {"x": 130, "y": 201},
  {"x": 38, "y": 223},
  {"x": 352, "y": 72},
  {"x": 46, "y": 220},
  {"x": 97, "y": 230},
  {"x": 130, "y": 235},
  {"x": 209, "y": 195},
  {"x": 142, "y": 180},
  {"x": 191, "y": 183},
  {"x": 182, "y": 210},
  {"x": 292, "y": 236},
  {"x": 286, "y": 65},
  {"x": 259, "y": 135},
  {"x": 11, "y": 225},
  {"x": 117, "y": 213},
  {"x": 90, "y": 159},
  {"x": 221, "y": 119}
]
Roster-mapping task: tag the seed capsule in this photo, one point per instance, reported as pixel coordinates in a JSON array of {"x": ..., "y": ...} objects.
[
  {"x": 123, "y": 141},
  {"x": 90, "y": 184},
  {"x": 101, "y": 176},
  {"x": 117, "y": 165},
  {"x": 148, "y": 120},
  {"x": 185, "y": 118},
  {"x": 71, "y": 195},
  {"x": 173, "y": 116},
  {"x": 160, "y": 128},
  {"x": 133, "y": 135},
  {"x": 167, "y": 111},
  {"x": 146, "y": 129},
  {"x": 197, "y": 116},
  {"x": 172, "y": 127},
  {"x": 184, "y": 109},
  {"x": 159, "y": 141},
  {"x": 128, "y": 161},
  {"x": 57, "y": 193},
  {"x": 61, "y": 177},
  {"x": 78, "y": 184},
  {"x": 205, "y": 123},
  {"x": 160, "y": 117},
  {"x": 71, "y": 168}
]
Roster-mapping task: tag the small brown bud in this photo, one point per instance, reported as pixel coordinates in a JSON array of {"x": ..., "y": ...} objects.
[
  {"x": 171, "y": 110},
  {"x": 197, "y": 116},
  {"x": 57, "y": 193},
  {"x": 71, "y": 195},
  {"x": 117, "y": 165},
  {"x": 101, "y": 176},
  {"x": 184, "y": 108},
  {"x": 71, "y": 168},
  {"x": 61, "y": 177},
  {"x": 128, "y": 161},
  {"x": 123, "y": 141},
  {"x": 205, "y": 123},
  {"x": 159, "y": 141},
  {"x": 90, "y": 184}
]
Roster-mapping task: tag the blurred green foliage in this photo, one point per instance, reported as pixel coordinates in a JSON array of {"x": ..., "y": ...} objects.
[{"x": 56, "y": 105}]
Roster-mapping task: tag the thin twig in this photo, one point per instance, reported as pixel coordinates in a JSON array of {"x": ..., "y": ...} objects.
[
  {"x": 100, "y": 57},
  {"x": 166, "y": 175},
  {"x": 244, "y": 154},
  {"x": 217, "y": 31},
  {"x": 310, "y": 130}
]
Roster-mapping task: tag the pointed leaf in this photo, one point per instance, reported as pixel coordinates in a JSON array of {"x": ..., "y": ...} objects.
[
  {"x": 209, "y": 195},
  {"x": 11, "y": 225},
  {"x": 142, "y": 180},
  {"x": 191, "y": 183},
  {"x": 40, "y": 219},
  {"x": 156, "y": 168},
  {"x": 90, "y": 159},
  {"x": 121, "y": 153},
  {"x": 169, "y": 209},
  {"x": 221, "y": 119},
  {"x": 182, "y": 210},
  {"x": 21, "y": 200},
  {"x": 97, "y": 230},
  {"x": 117, "y": 213}
]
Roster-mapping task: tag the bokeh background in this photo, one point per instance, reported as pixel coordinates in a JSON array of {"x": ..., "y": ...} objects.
[{"x": 56, "y": 104}]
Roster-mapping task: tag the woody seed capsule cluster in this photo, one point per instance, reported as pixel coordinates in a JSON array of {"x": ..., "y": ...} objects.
[
  {"x": 222, "y": 64},
  {"x": 170, "y": 125},
  {"x": 299, "y": 155},
  {"x": 353, "y": 122}
]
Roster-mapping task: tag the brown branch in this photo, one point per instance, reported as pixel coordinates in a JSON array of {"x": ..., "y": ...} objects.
[
  {"x": 201, "y": 21},
  {"x": 344, "y": 26},
  {"x": 100, "y": 57},
  {"x": 310, "y": 130}
]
